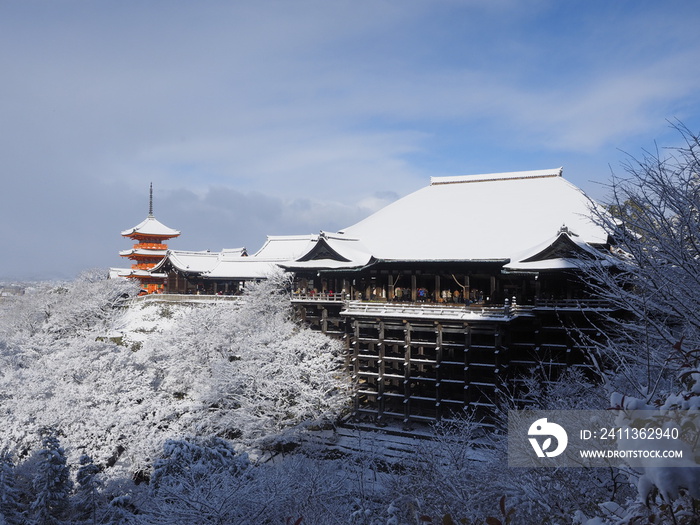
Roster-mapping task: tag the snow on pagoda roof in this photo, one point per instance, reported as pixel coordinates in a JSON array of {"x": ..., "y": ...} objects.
[
  {"x": 151, "y": 226},
  {"x": 142, "y": 273},
  {"x": 140, "y": 251},
  {"x": 490, "y": 217}
]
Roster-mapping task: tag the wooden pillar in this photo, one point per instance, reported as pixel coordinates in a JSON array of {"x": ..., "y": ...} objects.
[
  {"x": 467, "y": 361},
  {"x": 324, "y": 320},
  {"x": 407, "y": 375},
  {"x": 436, "y": 293},
  {"x": 439, "y": 408},
  {"x": 355, "y": 363},
  {"x": 380, "y": 374},
  {"x": 413, "y": 288}
]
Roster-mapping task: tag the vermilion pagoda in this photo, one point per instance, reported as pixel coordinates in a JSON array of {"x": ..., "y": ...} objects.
[{"x": 148, "y": 250}]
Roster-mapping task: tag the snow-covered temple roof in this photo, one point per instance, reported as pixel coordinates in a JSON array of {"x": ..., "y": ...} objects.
[
  {"x": 227, "y": 264},
  {"x": 490, "y": 217},
  {"x": 151, "y": 227},
  {"x": 189, "y": 261},
  {"x": 564, "y": 251},
  {"x": 331, "y": 251},
  {"x": 286, "y": 247},
  {"x": 244, "y": 269}
]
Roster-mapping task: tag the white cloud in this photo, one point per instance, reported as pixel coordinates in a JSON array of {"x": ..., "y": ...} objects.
[{"x": 301, "y": 112}]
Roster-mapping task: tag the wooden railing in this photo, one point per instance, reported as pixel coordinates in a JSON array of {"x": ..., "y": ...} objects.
[
  {"x": 187, "y": 298},
  {"x": 142, "y": 266},
  {"x": 568, "y": 304},
  {"x": 321, "y": 297},
  {"x": 150, "y": 246},
  {"x": 435, "y": 310},
  {"x": 573, "y": 304}
]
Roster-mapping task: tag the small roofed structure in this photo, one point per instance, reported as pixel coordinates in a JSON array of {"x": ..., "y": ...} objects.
[
  {"x": 228, "y": 271},
  {"x": 148, "y": 250}
]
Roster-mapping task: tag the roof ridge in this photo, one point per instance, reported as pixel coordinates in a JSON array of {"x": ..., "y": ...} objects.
[{"x": 490, "y": 177}]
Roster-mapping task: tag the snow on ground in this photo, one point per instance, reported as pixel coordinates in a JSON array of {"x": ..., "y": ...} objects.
[{"x": 143, "y": 319}]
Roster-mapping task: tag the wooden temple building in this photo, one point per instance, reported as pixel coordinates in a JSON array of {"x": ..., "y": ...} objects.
[
  {"x": 450, "y": 296},
  {"x": 148, "y": 250},
  {"x": 446, "y": 299}
]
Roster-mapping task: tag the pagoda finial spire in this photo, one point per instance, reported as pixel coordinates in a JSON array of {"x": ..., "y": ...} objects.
[{"x": 150, "y": 202}]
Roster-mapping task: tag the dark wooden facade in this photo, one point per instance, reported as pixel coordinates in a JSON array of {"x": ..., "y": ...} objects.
[{"x": 422, "y": 357}]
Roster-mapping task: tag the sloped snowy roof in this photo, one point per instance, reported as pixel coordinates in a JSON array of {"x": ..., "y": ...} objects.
[
  {"x": 114, "y": 273},
  {"x": 332, "y": 251},
  {"x": 244, "y": 268},
  {"x": 561, "y": 252},
  {"x": 188, "y": 261},
  {"x": 488, "y": 217},
  {"x": 286, "y": 247},
  {"x": 233, "y": 253},
  {"x": 227, "y": 264},
  {"x": 148, "y": 253},
  {"x": 141, "y": 273},
  {"x": 151, "y": 226}
]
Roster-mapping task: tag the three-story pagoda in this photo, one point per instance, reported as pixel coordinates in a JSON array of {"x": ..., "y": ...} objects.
[{"x": 149, "y": 249}]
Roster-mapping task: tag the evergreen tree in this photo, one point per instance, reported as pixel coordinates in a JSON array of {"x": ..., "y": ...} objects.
[
  {"x": 10, "y": 510},
  {"x": 52, "y": 483},
  {"x": 86, "y": 502}
]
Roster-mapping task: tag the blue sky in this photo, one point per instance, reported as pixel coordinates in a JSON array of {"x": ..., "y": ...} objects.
[{"x": 279, "y": 117}]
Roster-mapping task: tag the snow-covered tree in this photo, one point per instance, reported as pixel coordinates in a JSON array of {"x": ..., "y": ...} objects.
[
  {"x": 52, "y": 483},
  {"x": 126, "y": 379},
  {"x": 10, "y": 507},
  {"x": 87, "y": 500},
  {"x": 651, "y": 358},
  {"x": 202, "y": 480},
  {"x": 250, "y": 368},
  {"x": 655, "y": 225},
  {"x": 199, "y": 481}
]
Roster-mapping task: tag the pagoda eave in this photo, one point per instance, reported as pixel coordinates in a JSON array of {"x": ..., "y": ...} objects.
[
  {"x": 143, "y": 274},
  {"x": 159, "y": 254},
  {"x": 130, "y": 233}
]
